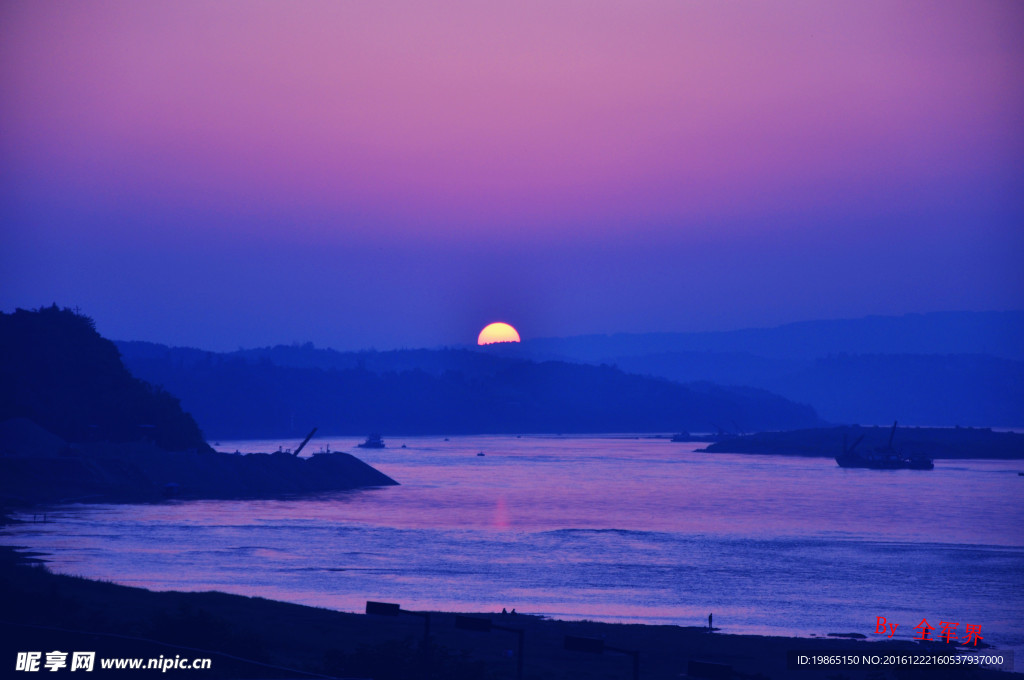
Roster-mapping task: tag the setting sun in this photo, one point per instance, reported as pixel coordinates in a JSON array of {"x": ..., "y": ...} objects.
[{"x": 497, "y": 332}]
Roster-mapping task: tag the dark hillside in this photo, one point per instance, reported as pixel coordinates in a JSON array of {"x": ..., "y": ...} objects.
[
  {"x": 59, "y": 372},
  {"x": 75, "y": 424}
]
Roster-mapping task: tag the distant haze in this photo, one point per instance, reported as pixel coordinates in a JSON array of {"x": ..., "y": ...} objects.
[{"x": 399, "y": 174}]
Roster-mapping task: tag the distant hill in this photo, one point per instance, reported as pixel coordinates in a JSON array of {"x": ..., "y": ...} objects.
[
  {"x": 926, "y": 389},
  {"x": 997, "y": 334},
  {"x": 953, "y": 368},
  {"x": 941, "y": 369},
  {"x": 433, "y": 361},
  {"x": 946, "y": 390},
  {"x": 58, "y": 372},
  {"x": 283, "y": 391},
  {"x": 931, "y": 442}
]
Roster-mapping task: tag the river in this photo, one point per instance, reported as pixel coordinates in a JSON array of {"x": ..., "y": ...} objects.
[{"x": 604, "y": 528}]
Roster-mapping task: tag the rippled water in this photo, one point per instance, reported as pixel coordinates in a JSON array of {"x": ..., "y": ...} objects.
[{"x": 616, "y": 529}]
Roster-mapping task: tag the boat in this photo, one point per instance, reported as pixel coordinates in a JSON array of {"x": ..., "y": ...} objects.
[
  {"x": 882, "y": 458},
  {"x": 683, "y": 436},
  {"x": 374, "y": 441}
]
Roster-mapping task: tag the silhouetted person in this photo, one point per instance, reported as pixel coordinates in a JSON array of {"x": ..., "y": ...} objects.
[
  {"x": 710, "y": 628},
  {"x": 513, "y": 611},
  {"x": 504, "y": 611}
]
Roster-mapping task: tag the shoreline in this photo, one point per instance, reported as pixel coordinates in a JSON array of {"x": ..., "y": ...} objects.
[
  {"x": 252, "y": 637},
  {"x": 947, "y": 443},
  {"x": 140, "y": 473}
]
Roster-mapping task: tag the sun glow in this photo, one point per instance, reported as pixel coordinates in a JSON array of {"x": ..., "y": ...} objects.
[{"x": 497, "y": 332}]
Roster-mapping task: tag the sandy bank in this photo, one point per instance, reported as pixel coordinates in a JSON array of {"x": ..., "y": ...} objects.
[{"x": 256, "y": 638}]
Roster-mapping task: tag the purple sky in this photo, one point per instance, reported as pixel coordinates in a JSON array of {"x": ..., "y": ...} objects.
[{"x": 402, "y": 173}]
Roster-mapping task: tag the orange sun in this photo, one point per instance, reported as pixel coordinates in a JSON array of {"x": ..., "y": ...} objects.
[{"x": 497, "y": 332}]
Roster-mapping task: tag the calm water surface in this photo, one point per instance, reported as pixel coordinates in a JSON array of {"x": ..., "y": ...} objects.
[{"x": 614, "y": 529}]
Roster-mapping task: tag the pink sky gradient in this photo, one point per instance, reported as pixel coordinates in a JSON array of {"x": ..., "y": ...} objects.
[{"x": 351, "y": 127}]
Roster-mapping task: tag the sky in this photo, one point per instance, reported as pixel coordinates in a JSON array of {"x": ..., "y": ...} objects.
[{"x": 400, "y": 174}]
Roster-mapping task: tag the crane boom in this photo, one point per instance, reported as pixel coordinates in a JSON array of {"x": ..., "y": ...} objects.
[{"x": 306, "y": 440}]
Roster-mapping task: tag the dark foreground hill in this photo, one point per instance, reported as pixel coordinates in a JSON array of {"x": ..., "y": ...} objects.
[
  {"x": 76, "y": 425},
  {"x": 250, "y": 394},
  {"x": 57, "y": 371}
]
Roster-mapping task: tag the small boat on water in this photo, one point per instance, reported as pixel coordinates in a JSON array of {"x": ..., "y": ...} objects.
[
  {"x": 374, "y": 441},
  {"x": 882, "y": 458}
]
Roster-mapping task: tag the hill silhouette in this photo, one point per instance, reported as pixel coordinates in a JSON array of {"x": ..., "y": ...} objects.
[
  {"x": 277, "y": 391},
  {"x": 60, "y": 373},
  {"x": 993, "y": 333},
  {"x": 943, "y": 368},
  {"x": 925, "y": 389},
  {"x": 935, "y": 369},
  {"x": 76, "y": 425}
]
